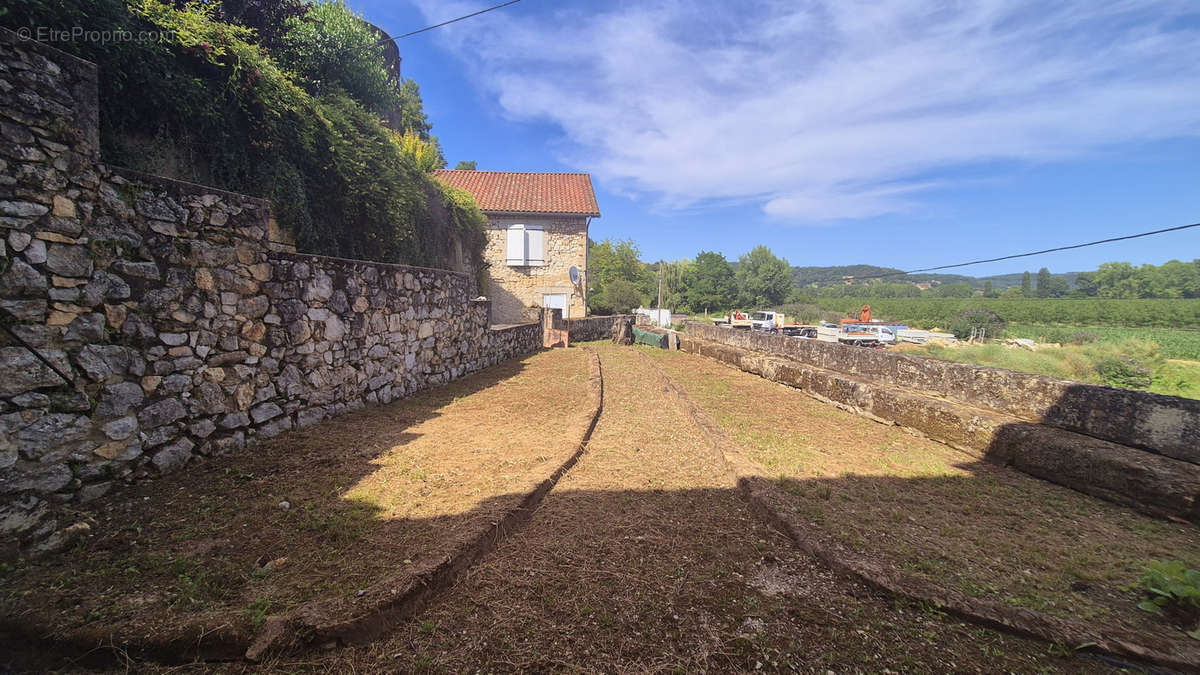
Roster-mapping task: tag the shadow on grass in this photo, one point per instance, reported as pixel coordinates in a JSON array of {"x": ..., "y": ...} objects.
[
  {"x": 643, "y": 577},
  {"x": 213, "y": 549}
]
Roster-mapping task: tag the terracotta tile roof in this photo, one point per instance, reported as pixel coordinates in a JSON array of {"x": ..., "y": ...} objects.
[{"x": 519, "y": 192}]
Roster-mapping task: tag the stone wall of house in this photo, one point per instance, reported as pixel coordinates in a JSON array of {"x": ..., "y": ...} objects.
[
  {"x": 183, "y": 332},
  {"x": 1167, "y": 425},
  {"x": 516, "y": 292}
]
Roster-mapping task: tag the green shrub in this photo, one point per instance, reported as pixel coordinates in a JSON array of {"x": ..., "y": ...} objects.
[
  {"x": 1172, "y": 588},
  {"x": 1120, "y": 370},
  {"x": 1129, "y": 364},
  {"x": 211, "y": 106},
  {"x": 621, "y": 297},
  {"x": 330, "y": 49},
  {"x": 977, "y": 322}
]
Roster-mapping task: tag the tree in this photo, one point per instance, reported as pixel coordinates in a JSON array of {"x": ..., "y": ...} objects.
[
  {"x": 622, "y": 296},
  {"x": 465, "y": 166},
  {"x": 1175, "y": 279},
  {"x": 673, "y": 274},
  {"x": 762, "y": 278},
  {"x": 608, "y": 262},
  {"x": 1043, "y": 283},
  {"x": 332, "y": 48},
  {"x": 412, "y": 115},
  {"x": 958, "y": 289},
  {"x": 987, "y": 289},
  {"x": 709, "y": 283},
  {"x": 1057, "y": 287},
  {"x": 1117, "y": 280},
  {"x": 1026, "y": 285},
  {"x": 1085, "y": 284},
  {"x": 977, "y": 323}
]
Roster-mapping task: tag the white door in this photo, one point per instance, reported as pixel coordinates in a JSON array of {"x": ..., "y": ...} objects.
[{"x": 559, "y": 300}]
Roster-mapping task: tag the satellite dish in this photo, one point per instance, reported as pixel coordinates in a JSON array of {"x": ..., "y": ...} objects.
[{"x": 574, "y": 274}]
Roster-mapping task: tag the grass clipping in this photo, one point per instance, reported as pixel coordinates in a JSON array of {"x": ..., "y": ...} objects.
[
  {"x": 320, "y": 512},
  {"x": 922, "y": 507}
]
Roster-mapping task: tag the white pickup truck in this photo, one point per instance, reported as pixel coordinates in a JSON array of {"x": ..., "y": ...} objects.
[{"x": 867, "y": 335}]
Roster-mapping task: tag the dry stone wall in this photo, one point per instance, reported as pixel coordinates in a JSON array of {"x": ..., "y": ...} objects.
[
  {"x": 590, "y": 328},
  {"x": 1167, "y": 425},
  {"x": 182, "y": 332}
]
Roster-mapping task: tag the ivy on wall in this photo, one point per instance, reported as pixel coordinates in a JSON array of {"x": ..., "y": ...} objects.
[{"x": 209, "y": 103}]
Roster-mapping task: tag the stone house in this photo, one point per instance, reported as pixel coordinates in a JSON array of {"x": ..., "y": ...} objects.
[{"x": 537, "y": 231}]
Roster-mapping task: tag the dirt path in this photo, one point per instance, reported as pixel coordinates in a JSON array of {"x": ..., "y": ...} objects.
[{"x": 644, "y": 558}]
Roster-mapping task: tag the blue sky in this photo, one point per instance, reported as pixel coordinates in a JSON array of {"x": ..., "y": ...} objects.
[{"x": 904, "y": 134}]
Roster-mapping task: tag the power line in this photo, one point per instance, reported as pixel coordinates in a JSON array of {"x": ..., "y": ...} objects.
[
  {"x": 390, "y": 38},
  {"x": 1007, "y": 257}
]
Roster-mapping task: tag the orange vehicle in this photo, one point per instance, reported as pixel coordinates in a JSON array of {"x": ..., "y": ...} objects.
[
  {"x": 864, "y": 316},
  {"x": 734, "y": 319}
]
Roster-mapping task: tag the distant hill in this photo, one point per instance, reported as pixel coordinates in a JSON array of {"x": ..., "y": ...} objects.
[
  {"x": 829, "y": 276},
  {"x": 825, "y": 276}
]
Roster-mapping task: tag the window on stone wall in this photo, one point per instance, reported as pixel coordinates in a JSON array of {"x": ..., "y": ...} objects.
[{"x": 526, "y": 246}]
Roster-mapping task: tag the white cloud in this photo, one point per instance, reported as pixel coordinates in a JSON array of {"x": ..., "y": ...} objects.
[{"x": 826, "y": 110}]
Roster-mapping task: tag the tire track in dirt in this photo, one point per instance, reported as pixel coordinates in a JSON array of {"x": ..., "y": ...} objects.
[
  {"x": 643, "y": 558},
  {"x": 768, "y": 500},
  {"x": 330, "y": 622}
]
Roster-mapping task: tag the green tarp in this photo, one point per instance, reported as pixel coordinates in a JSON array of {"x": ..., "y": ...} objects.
[{"x": 645, "y": 337}]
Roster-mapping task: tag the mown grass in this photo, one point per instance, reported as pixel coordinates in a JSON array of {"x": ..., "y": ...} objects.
[
  {"x": 935, "y": 512},
  {"x": 644, "y": 559},
  {"x": 368, "y": 494}
]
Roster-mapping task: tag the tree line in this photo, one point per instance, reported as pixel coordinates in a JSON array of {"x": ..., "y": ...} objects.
[{"x": 619, "y": 280}]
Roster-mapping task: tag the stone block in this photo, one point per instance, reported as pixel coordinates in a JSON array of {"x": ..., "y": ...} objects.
[
  {"x": 173, "y": 456},
  {"x": 69, "y": 261},
  {"x": 163, "y": 412}
]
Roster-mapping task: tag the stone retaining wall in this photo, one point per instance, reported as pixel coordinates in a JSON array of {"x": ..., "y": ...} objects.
[
  {"x": 1163, "y": 424},
  {"x": 591, "y": 328},
  {"x": 183, "y": 333},
  {"x": 1149, "y": 482}
]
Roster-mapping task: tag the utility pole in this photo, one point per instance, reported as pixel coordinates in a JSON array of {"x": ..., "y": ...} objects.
[{"x": 660, "y": 262}]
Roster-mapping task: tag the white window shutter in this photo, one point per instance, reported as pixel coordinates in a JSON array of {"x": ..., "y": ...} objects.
[
  {"x": 535, "y": 251},
  {"x": 516, "y": 245}
]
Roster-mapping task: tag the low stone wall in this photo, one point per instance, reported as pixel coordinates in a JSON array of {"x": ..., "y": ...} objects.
[
  {"x": 181, "y": 331},
  {"x": 591, "y": 328},
  {"x": 1149, "y": 482},
  {"x": 1163, "y": 424}
]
